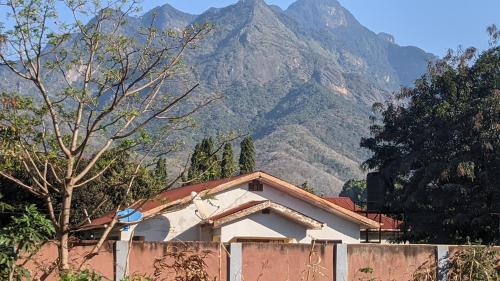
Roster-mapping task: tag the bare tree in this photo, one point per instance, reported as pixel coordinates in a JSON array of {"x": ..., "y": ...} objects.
[{"x": 89, "y": 88}]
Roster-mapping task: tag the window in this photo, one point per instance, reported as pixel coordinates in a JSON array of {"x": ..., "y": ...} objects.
[
  {"x": 266, "y": 211},
  {"x": 255, "y": 185}
]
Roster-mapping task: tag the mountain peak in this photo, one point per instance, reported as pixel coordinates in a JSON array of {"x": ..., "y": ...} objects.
[
  {"x": 318, "y": 2},
  {"x": 387, "y": 37},
  {"x": 166, "y": 16},
  {"x": 251, "y": 2},
  {"x": 168, "y": 9},
  {"x": 320, "y": 14}
]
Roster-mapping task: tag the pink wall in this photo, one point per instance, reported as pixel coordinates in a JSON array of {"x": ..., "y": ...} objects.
[
  {"x": 287, "y": 262},
  {"x": 259, "y": 261},
  {"x": 389, "y": 262},
  {"x": 151, "y": 258},
  {"x": 43, "y": 265}
]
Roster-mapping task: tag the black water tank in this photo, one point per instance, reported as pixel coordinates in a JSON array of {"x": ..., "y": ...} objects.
[{"x": 375, "y": 185}]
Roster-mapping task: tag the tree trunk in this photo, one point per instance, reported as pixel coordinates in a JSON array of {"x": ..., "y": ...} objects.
[{"x": 64, "y": 230}]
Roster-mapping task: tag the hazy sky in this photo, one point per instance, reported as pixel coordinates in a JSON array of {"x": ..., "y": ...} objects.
[{"x": 433, "y": 25}]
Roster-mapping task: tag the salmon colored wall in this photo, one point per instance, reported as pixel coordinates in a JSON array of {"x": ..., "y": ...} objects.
[
  {"x": 389, "y": 262},
  {"x": 260, "y": 261},
  {"x": 42, "y": 265},
  {"x": 148, "y": 257},
  {"x": 287, "y": 262}
]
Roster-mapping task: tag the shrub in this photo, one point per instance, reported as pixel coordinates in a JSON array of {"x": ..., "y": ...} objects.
[
  {"x": 20, "y": 239},
  {"x": 473, "y": 263}
]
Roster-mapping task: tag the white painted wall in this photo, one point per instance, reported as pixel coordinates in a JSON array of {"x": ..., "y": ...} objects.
[
  {"x": 270, "y": 225},
  {"x": 183, "y": 224}
]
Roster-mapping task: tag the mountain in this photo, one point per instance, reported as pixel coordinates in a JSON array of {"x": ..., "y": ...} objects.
[
  {"x": 300, "y": 80},
  {"x": 167, "y": 17}
]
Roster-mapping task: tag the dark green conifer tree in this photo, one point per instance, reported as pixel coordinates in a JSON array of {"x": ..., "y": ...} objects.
[
  {"x": 204, "y": 163},
  {"x": 160, "y": 172},
  {"x": 228, "y": 165},
  {"x": 247, "y": 156},
  {"x": 194, "y": 171},
  {"x": 210, "y": 166}
]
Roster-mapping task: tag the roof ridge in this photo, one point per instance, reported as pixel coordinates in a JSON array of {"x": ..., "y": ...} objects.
[{"x": 182, "y": 195}]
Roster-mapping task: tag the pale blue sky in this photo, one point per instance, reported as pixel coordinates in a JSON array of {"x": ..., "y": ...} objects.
[{"x": 433, "y": 25}]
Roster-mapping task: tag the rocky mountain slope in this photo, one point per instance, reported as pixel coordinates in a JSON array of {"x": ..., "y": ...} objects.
[{"x": 301, "y": 81}]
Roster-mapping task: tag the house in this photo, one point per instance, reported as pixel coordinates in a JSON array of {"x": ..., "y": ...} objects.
[
  {"x": 390, "y": 229},
  {"x": 246, "y": 208}
]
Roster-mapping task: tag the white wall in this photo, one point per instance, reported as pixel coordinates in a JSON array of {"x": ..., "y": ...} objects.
[
  {"x": 270, "y": 225},
  {"x": 183, "y": 224},
  {"x": 179, "y": 225}
]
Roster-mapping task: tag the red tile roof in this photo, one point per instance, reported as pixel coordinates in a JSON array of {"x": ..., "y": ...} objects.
[
  {"x": 163, "y": 198},
  {"x": 344, "y": 202},
  {"x": 181, "y": 192},
  {"x": 181, "y": 195},
  {"x": 387, "y": 223},
  {"x": 236, "y": 209}
]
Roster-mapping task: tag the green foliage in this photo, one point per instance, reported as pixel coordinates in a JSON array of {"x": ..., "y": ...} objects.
[
  {"x": 367, "y": 272},
  {"x": 228, "y": 165},
  {"x": 247, "y": 156},
  {"x": 111, "y": 187},
  {"x": 204, "y": 162},
  {"x": 14, "y": 200},
  {"x": 4, "y": 206},
  {"x": 195, "y": 171},
  {"x": 21, "y": 238},
  {"x": 356, "y": 190},
  {"x": 305, "y": 186},
  {"x": 160, "y": 172},
  {"x": 210, "y": 164},
  {"x": 89, "y": 275},
  {"x": 440, "y": 149},
  {"x": 136, "y": 278},
  {"x": 85, "y": 275}
]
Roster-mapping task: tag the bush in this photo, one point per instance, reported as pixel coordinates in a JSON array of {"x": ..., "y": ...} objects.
[
  {"x": 22, "y": 238},
  {"x": 473, "y": 263}
]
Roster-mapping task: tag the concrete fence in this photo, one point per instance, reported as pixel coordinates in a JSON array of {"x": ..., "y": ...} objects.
[{"x": 249, "y": 261}]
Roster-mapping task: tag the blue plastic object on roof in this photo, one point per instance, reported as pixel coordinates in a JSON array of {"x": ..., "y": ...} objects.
[{"x": 129, "y": 215}]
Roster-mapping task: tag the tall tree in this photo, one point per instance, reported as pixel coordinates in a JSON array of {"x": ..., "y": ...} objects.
[
  {"x": 204, "y": 162},
  {"x": 113, "y": 87},
  {"x": 439, "y": 150},
  {"x": 247, "y": 156},
  {"x": 210, "y": 163},
  {"x": 356, "y": 190},
  {"x": 160, "y": 171},
  {"x": 228, "y": 165},
  {"x": 195, "y": 169}
]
